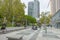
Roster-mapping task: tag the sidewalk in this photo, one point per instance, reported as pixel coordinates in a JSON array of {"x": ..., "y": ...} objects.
[
  {"x": 56, "y": 31},
  {"x": 49, "y": 36},
  {"x": 11, "y": 29}
]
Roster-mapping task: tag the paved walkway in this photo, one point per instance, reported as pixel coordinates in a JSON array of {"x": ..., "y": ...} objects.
[
  {"x": 50, "y": 35},
  {"x": 11, "y": 29},
  {"x": 30, "y": 34},
  {"x": 56, "y": 31},
  {"x": 20, "y": 32}
]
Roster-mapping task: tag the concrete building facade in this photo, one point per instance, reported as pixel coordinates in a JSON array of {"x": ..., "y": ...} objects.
[{"x": 55, "y": 6}]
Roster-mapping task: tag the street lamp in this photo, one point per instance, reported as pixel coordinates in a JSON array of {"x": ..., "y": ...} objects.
[
  {"x": 45, "y": 24},
  {"x": 26, "y": 21},
  {"x": 37, "y": 20},
  {"x": 13, "y": 21}
]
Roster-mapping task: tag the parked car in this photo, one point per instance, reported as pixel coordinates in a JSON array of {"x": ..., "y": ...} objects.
[{"x": 34, "y": 27}]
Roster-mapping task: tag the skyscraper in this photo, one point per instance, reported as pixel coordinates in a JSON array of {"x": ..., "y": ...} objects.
[
  {"x": 55, "y": 6},
  {"x": 34, "y": 9},
  {"x": 30, "y": 8}
]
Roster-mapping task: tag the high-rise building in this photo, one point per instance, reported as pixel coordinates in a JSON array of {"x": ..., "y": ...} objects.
[
  {"x": 36, "y": 13},
  {"x": 55, "y": 6},
  {"x": 34, "y": 9},
  {"x": 30, "y": 8}
]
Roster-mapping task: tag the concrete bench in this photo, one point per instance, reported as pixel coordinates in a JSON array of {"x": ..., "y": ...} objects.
[
  {"x": 10, "y": 29},
  {"x": 15, "y": 37}
]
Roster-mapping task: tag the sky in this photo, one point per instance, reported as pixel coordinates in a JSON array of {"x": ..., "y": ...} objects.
[{"x": 43, "y": 5}]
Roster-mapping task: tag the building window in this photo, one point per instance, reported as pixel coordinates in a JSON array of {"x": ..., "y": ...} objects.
[{"x": 59, "y": 14}]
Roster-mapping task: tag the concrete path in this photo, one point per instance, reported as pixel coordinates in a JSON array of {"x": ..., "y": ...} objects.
[
  {"x": 29, "y": 34},
  {"x": 11, "y": 29},
  {"x": 50, "y": 35},
  {"x": 3, "y": 36}
]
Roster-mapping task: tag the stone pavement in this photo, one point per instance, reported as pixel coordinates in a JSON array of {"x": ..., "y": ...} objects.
[
  {"x": 50, "y": 35},
  {"x": 11, "y": 29},
  {"x": 29, "y": 34},
  {"x": 56, "y": 31}
]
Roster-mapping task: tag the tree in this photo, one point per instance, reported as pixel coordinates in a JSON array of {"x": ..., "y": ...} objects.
[
  {"x": 45, "y": 19},
  {"x": 12, "y": 10},
  {"x": 30, "y": 19},
  {"x": 42, "y": 18}
]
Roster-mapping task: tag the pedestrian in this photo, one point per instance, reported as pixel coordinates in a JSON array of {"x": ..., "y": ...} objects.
[
  {"x": 36, "y": 28},
  {"x": 3, "y": 28},
  {"x": 39, "y": 26},
  {"x": 25, "y": 26},
  {"x": 33, "y": 27}
]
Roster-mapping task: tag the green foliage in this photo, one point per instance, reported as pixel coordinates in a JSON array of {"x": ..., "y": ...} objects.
[
  {"x": 45, "y": 19},
  {"x": 42, "y": 18},
  {"x": 10, "y": 8},
  {"x": 30, "y": 19}
]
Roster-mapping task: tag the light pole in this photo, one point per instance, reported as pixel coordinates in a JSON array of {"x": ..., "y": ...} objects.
[
  {"x": 26, "y": 22},
  {"x": 13, "y": 21},
  {"x": 45, "y": 24},
  {"x": 37, "y": 20}
]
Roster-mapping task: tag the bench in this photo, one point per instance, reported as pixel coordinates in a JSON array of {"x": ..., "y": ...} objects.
[{"x": 15, "y": 37}]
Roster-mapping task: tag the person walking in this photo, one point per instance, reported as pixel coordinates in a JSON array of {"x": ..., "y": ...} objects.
[{"x": 3, "y": 28}]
